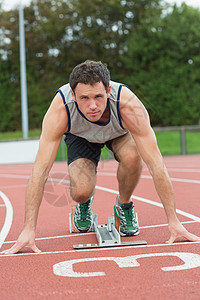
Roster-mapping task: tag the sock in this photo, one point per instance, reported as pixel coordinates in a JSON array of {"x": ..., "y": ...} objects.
[{"x": 125, "y": 205}]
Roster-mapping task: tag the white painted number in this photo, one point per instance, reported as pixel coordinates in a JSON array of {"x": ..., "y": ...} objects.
[{"x": 65, "y": 268}]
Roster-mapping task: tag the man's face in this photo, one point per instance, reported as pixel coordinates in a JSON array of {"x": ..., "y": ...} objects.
[{"x": 91, "y": 100}]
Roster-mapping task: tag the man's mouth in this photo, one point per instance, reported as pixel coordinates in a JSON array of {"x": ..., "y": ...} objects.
[{"x": 93, "y": 113}]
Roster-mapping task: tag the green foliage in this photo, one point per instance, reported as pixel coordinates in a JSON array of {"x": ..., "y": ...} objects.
[
  {"x": 154, "y": 51},
  {"x": 163, "y": 60}
]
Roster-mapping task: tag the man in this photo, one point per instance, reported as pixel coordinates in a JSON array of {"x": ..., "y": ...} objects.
[{"x": 93, "y": 111}]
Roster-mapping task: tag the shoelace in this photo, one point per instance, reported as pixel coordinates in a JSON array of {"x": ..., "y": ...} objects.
[
  {"x": 84, "y": 210},
  {"x": 128, "y": 216}
]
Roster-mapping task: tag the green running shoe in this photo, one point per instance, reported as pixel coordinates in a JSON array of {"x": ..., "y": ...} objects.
[
  {"x": 128, "y": 223},
  {"x": 83, "y": 216}
]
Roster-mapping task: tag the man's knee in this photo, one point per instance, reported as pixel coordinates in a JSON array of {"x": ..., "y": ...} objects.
[
  {"x": 81, "y": 190},
  {"x": 132, "y": 162},
  {"x": 81, "y": 194}
]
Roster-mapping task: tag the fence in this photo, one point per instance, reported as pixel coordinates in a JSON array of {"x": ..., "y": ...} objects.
[{"x": 182, "y": 131}]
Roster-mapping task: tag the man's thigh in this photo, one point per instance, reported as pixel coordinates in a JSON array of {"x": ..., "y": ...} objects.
[
  {"x": 124, "y": 146},
  {"x": 82, "y": 174}
]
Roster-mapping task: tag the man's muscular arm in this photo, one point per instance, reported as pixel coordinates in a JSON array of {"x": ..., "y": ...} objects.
[
  {"x": 135, "y": 118},
  {"x": 54, "y": 125}
]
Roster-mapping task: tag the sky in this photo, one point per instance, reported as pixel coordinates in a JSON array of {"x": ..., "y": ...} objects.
[{"x": 9, "y": 4}]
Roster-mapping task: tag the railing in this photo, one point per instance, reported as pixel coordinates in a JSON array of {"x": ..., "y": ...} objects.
[{"x": 182, "y": 131}]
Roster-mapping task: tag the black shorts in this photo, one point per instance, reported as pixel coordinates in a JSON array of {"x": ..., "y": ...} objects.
[{"x": 78, "y": 147}]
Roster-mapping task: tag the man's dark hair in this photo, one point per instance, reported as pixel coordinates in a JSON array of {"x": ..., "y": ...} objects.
[{"x": 90, "y": 72}]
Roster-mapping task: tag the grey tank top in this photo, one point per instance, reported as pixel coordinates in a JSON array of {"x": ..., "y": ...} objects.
[{"x": 79, "y": 125}]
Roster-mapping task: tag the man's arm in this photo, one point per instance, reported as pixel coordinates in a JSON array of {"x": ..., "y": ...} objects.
[
  {"x": 54, "y": 125},
  {"x": 135, "y": 118}
]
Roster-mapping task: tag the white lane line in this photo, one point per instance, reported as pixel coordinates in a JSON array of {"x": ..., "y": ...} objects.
[
  {"x": 188, "y": 215},
  {"x": 8, "y": 219},
  {"x": 2, "y": 205},
  {"x": 100, "y": 249},
  {"x": 14, "y": 176},
  {"x": 175, "y": 179},
  {"x": 150, "y": 177},
  {"x": 13, "y": 186},
  {"x": 179, "y": 170},
  {"x": 74, "y": 235},
  {"x": 106, "y": 174},
  {"x": 185, "y": 180},
  {"x": 180, "y": 212}
]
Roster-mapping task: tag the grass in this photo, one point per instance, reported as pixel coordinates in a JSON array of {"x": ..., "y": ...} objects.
[
  {"x": 193, "y": 142},
  {"x": 168, "y": 142},
  {"x": 16, "y": 135}
]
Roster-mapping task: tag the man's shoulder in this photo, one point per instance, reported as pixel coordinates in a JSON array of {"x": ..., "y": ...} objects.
[
  {"x": 65, "y": 91},
  {"x": 115, "y": 83},
  {"x": 115, "y": 90},
  {"x": 64, "y": 88}
]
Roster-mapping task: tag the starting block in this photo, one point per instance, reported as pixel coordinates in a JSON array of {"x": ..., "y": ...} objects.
[{"x": 107, "y": 235}]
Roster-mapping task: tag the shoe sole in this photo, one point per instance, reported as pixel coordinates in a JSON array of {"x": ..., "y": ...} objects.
[{"x": 124, "y": 234}]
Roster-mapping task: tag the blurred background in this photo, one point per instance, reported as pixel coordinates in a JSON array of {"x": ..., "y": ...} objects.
[{"x": 153, "y": 46}]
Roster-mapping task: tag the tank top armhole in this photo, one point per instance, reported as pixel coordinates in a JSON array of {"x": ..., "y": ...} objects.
[
  {"x": 67, "y": 109},
  {"x": 118, "y": 99}
]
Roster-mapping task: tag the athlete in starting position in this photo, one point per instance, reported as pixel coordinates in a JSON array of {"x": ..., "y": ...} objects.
[{"x": 93, "y": 111}]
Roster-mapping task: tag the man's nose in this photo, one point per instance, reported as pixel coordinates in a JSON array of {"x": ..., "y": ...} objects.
[{"x": 93, "y": 104}]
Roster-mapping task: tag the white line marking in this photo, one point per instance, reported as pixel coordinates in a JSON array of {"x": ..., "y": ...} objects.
[
  {"x": 8, "y": 219},
  {"x": 2, "y": 205},
  {"x": 185, "y": 180},
  {"x": 180, "y": 212},
  {"x": 14, "y": 176},
  {"x": 175, "y": 179},
  {"x": 13, "y": 186},
  {"x": 105, "y": 174},
  {"x": 74, "y": 235},
  {"x": 66, "y": 268},
  {"x": 179, "y": 170},
  {"x": 150, "y": 177},
  {"x": 100, "y": 249},
  {"x": 188, "y": 215}
]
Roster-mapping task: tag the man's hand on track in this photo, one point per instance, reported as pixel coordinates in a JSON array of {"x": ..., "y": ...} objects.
[
  {"x": 26, "y": 239},
  {"x": 177, "y": 230}
]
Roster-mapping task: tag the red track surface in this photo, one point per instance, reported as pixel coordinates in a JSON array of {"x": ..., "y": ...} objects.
[{"x": 31, "y": 276}]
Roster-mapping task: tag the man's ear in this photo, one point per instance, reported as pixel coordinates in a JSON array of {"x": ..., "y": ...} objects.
[
  {"x": 73, "y": 95},
  {"x": 109, "y": 91}
]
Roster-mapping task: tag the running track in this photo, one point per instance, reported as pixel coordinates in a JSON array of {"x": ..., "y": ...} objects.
[{"x": 153, "y": 271}]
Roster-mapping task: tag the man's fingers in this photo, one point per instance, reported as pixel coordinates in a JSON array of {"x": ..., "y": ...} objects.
[
  {"x": 14, "y": 249},
  {"x": 171, "y": 240},
  {"x": 189, "y": 236},
  {"x": 18, "y": 246},
  {"x": 35, "y": 249}
]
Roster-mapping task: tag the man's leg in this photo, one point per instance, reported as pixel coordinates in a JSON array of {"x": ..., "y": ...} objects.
[
  {"x": 83, "y": 157},
  {"x": 82, "y": 174},
  {"x": 128, "y": 174},
  {"x": 130, "y": 166}
]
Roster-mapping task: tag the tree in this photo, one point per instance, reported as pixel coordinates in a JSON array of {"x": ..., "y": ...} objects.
[{"x": 163, "y": 62}]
